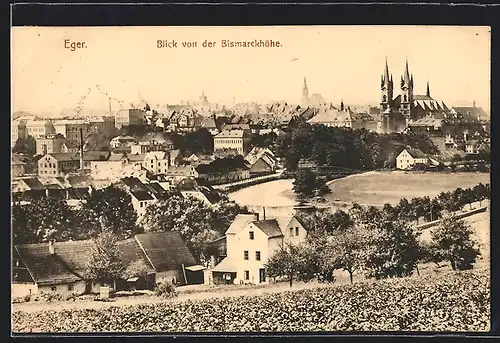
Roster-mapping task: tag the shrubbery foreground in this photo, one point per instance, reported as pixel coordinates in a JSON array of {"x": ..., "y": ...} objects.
[{"x": 458, "y": 301}]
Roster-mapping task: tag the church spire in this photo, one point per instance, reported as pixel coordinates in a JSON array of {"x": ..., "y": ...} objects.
[
  {"x": 341, "y": 104},
  {"x": 406, "y": 76},
  {"x": 305, "y": 94},
  {"x": 428, "y": 91},
  {"x": 386, "y": 71}
]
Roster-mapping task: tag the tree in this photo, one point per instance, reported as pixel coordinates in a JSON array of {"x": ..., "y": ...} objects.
[
  {"x": 346, "y": 250},
  {"x": 405, "y": 210},
  {"x": 25, "y": 146},
  {"x": 341, "y": 221},
  {"x": 41, "y": 220},
  {"x": 196, "y": 222},
  {"x": 104, "y": 263},
  {"x": 480, "y": 192},
  {"x": 115, "y": 206},
  {"x": 305, "y": 183},
  {"x": 137, "y": 268},
  {"x": 200, "y": 141},
  {"x": 453, "y": 242},
  {"x": 392, "y": 249},
  {"x": 288, "y": 261}
]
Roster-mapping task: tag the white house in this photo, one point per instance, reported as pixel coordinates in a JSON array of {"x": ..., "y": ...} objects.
[
  {"x": 250, "y": 242},
  {"x": 410, "y": 157}
]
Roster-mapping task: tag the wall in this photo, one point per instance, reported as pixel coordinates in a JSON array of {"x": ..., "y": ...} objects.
[
  {"x": 22, "y": 289},
  {"x": 243, "y": 242},
  {"x": 294, "y": 239},
  {"x": 169, "y": 275},
  {"x": 78, "y": 287}
]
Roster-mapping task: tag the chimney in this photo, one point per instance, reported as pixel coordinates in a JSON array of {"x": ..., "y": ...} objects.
[
  {"x": 474, "y": 103},
  {"x": 264, "y": 213},
  {"x": 82, "y": 163},
  {"x": 256, "y": 215},
  {"x": 52, "y": 248}
]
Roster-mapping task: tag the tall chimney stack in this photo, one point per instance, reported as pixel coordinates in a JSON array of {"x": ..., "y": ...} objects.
[
  {"x": 264, "y": 213},
  {"x": 82, "y": 164}
]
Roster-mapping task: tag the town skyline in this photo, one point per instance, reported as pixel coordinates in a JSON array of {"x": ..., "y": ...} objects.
[{"x": 454, "y": 60}]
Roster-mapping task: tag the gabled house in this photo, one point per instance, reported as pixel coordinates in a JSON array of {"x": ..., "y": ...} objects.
[
  {"x": 410, "y": 157},
  {"x": 261, "y": 161},
  {"x": 60, "y": 266},
  {"x": 249, "y": 243}
]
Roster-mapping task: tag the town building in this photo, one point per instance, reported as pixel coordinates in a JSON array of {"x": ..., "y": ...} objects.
[
  {"x": 50, "y": 144},
  {"x": 60, "y": 164},
  {"x": 224, "y": 170},
  {"x": 343, "y": 117},
  {"x": 410, "y": 157},
  {"x": 248, "y": 244},
  {"x": 60, "y": 266},
  {"x": 121, "y": 141},
  {"x": 261, "y": 161},
  {"x": 17, "y": 166},
  {"x": 233, "y": 139},
  {"x": 70, "y": 129},
  {"x": 130, "y": 116},
  {"x": 157, "y": 162}
]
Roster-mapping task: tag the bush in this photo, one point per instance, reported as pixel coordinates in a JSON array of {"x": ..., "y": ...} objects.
[{"x": 165, "y": 289}]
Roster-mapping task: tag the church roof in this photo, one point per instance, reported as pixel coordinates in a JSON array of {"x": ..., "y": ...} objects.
[{"x": 331, "y": 116}]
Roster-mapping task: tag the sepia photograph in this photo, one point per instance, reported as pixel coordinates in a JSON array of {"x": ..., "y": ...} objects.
[{"x": 250, "y": 179}]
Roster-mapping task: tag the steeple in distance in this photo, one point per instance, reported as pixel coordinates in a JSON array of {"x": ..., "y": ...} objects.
[
  {"x": 305, "y": 95},
  {"x": 428, "y": 91}
]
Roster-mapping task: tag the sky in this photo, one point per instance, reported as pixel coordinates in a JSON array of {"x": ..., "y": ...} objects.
[{"x": 339, "y": 62}]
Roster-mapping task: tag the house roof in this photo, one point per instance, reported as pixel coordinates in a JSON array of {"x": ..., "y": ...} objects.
[
  {"x": 131, "y": 251},
  {"x": 175, "y": 153},
  {"x": 270, "y": 227},
  {"x": 226, "y": 265},
  {"x": 166, "y": 250},
  {"x": 87, "y": 156},
  {"x": 158, "y": 155},
  {"x": 66, "y": 265},
  {"x": 331, "y": 116},
  {"x": 141, "y": 195},
  {"x": 34, "y": 183},
  {"x": 132, "y": 182},
  {"x": 476, "y": 112},
  {"x": 240, "y": 222},
  {"x": 233, "y": 133},
  {"x": 415, "y": 153}
]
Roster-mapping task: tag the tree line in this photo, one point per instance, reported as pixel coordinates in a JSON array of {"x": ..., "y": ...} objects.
[
  {"x": 347, "y": 148},
  {"x": 47, "y": 218},
  {"x": 372, "y": 242}
]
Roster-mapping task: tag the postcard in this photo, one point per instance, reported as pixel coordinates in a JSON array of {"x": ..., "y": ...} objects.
[{"x": 250, "y": 179}]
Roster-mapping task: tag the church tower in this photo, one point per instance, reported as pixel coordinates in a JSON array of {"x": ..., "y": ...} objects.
[
  {"x": 386, "y": 87},
  {"x": 305, "y": 95},
  {"x": 407, "y": 94}
]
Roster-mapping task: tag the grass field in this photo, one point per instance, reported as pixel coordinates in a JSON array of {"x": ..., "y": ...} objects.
[{"x": 378, "y": 188}]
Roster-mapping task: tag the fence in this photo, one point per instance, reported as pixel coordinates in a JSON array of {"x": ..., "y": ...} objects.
[{"x": 458, "y": 216}]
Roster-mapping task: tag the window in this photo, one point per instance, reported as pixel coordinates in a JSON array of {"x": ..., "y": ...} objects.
[
  {"x": 245, "y": 254},
  {"x": 297, "y": 231},
  {"x": 70, "y": 287},
  {"x": 257, "y": 255},
  {"x": 291, "y": 231},
  {"x": 142, "y": 204},
  {"x": 251, "y": 234},
  {"x": 53, "y": 288},
  {"x": 159, "y": 164},
  {"x": 247, "y": 275}
]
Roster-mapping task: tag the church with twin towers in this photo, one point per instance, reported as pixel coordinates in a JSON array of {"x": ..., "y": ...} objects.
[{"x": 394, "y": 112}]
